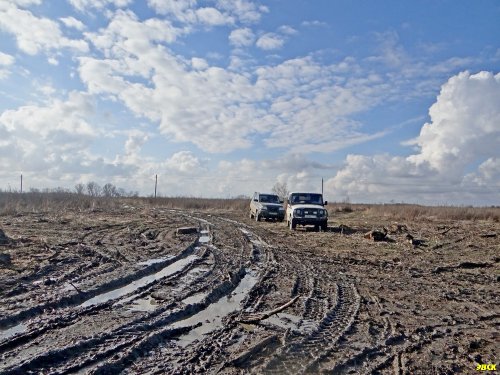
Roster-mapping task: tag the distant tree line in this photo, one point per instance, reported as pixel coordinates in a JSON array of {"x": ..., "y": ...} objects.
[{"x": 91, "y": 189}]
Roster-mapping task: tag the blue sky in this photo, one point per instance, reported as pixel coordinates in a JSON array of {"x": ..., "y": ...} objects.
[{"x": 387, "y": 101}]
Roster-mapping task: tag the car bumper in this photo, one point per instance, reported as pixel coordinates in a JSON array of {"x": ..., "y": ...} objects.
[
  {"x": 310, "y": 220},
  {"x": 272, "y": 215}
]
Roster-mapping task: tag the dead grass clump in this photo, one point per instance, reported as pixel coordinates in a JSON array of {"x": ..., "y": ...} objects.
[
  {"x": 14, "y": 203},
  {"x": 415, "y": 212},
  {"x": 189, "y": 203}
]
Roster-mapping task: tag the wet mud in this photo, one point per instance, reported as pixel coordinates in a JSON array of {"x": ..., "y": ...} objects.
[{"x": 126, "y": 292}]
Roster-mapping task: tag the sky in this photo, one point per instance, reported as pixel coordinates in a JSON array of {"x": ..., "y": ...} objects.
[{"x": 386, "y": 101}]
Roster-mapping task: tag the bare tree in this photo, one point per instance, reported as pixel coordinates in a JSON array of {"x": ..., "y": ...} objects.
[
  {"x": 121, "y": 192},
  {"x": 80, "y": 189},
  {"x": 281, "y": 190},
  {"x": 109, "y": 190},
  {"x": 93, "y": 189}
]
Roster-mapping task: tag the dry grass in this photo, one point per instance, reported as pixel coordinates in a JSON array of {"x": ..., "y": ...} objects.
[
  {"x": 188, "y": 203},
  {"x": 12, "y": 203},
  {"x": 413, "y": 212}
]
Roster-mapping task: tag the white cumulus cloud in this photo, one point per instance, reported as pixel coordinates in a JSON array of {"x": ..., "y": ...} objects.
[
  {"x": 270, "y": 41},
  {"x": 46, "y": 137},
  {"x": 245, "y": 11},
  {"x": 221, "y": 110},
  {"x": 6, "y": 59},
  {"x": 179, "y": 8},
  {"x": 72, "y": 22},
  {"x": 21, "y": 3},
  {"x": 211, "y": 16},
  {"x": 464, "y": 130},
  {"x": 183, "y": 161},
  {"x": 288, "y": 30},
  {"x": 242, "y": 37},
  {"x": 34, "y": 34},
  {"x": 465, "y": 123},
  {"x": 84, "y": 5}
]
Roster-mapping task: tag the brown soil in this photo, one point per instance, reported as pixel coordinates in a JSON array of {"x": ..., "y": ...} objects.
[{"x": 122, "y": 291}]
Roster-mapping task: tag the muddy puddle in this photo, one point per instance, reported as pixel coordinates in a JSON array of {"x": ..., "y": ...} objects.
[
  {"x": 195, "y": 298},
  {"x": 138, "y": 303},
  {"x": 12, "y": 331},
  {"x": 147, "y": 304},
  {"x": 252, "y": 237},
  {"x": 286, "y": 321},
  {"x": 143, "y": 282},
  {"x": 211, "y": 317},
  {"x": 204, "y": 237},
  {"x": 149, "y": 262}
]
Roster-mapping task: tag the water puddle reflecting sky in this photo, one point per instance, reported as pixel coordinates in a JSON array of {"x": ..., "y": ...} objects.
[
  {"x": 145, "y": 281},
  {"x": 211, "y": 317}
]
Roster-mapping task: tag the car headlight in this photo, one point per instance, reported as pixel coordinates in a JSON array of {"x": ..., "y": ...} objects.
[
  {"x": 281, "y": 209},
  {"x": 263, "y": 208},
  {"x": 297, "y": 213}
]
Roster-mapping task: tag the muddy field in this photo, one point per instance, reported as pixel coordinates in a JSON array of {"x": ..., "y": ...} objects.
[{"x": 122, "y": 292}]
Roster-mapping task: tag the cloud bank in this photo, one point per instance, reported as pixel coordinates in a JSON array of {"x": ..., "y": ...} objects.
[{"x": 464, "y": 131}]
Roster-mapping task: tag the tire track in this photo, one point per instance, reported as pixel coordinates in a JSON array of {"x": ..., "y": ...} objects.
[{"x": 307, "y": 354}]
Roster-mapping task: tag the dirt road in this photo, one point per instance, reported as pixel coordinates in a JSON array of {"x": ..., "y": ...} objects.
[{"x": 122, "y": 291}]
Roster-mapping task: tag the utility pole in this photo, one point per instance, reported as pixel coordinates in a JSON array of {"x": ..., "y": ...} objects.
[
  {"x": 21, "y": 182},
  {"x": 321, "y": 185},
  {"x": 156, "y": 183}
]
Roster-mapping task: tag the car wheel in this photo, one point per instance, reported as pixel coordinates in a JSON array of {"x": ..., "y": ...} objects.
[
  {"x": 324, "y": 227},
  {"x": 293, "y": 224},
  {"x": 316, "y": 228}
]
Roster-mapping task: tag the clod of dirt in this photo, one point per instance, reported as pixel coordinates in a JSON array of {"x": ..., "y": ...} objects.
[
  {"x": 398, "y": 228},
  {"x": 4, "y": 240},
  {"x": 475, "y": 344},
  {"x": 150, "y": 234},
  {"x": 343, "y": 229},
  {"x": 470, "y": 265},
  {"x": 5, "y": 259},
  {"x": 187, "y": 230},
  {"x": 376, "y": 235},
  {"x": 415, "y": 242},
  {"x": 463, "y": 265}
]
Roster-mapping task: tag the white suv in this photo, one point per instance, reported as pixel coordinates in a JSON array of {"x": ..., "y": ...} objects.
[{"x": 306, "y": 209}]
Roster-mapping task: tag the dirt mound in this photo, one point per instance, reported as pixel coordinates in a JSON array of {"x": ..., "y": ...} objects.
[
  {"x": 4, "y": 240},
  {"x": 5, "y": 259}
]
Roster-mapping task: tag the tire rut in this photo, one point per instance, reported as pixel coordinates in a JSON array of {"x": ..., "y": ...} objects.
[{"x": 305, "y": 355}]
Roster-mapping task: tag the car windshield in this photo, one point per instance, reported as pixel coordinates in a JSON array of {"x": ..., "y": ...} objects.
[
  {"x": 306, "y": 199},
  {"x": 266, "y": 198}
]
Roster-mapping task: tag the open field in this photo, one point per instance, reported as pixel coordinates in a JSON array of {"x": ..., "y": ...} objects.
[{"x": 109, "y": 286}]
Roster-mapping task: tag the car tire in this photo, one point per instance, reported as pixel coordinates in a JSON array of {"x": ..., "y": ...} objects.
[
  {"x": 292, "y": 224},
  {"x": 324, "y": 227}
]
